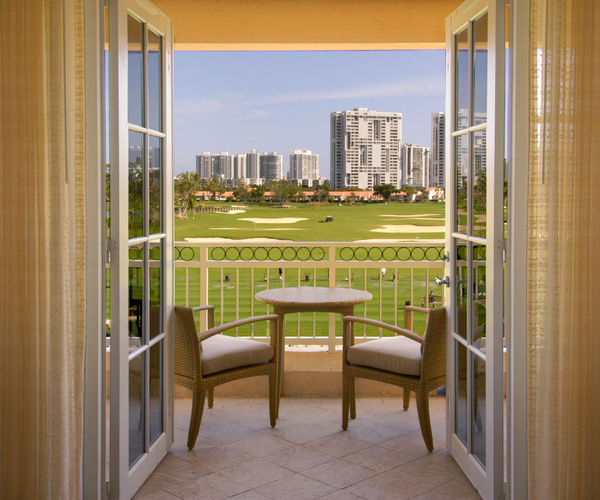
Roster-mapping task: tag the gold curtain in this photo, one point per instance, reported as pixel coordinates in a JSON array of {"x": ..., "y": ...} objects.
[
  {"x": 42, "y": 248},
  {"x": 564, "y": 250}
]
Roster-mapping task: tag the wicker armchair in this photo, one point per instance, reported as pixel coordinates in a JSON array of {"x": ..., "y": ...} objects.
[
  {"x": 410, "y": 361},
  {"x": 205, "y": 360}
]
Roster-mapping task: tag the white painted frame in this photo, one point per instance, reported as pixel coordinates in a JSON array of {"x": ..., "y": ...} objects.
[
  {"x": 94, "y": 440},
  {"x": 516, "y": 272},
  {"x": 124, "y": 482},
  {"x": 488, "y": 481}
]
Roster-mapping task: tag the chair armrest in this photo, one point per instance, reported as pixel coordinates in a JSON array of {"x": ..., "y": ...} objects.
[
  {"x": 380, "y": 324},
  {"x": 210, "y": 313},
  {"x": 240, "y": 322},
  {"x": 408, "y": 312}
]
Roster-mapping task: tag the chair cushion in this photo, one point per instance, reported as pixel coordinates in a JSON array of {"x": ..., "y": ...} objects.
[
  {"x": 221, "y": 352},
  {"x": 393, "y": 354}
]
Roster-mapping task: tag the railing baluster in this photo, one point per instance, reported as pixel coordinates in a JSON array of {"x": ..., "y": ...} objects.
[{"x": 213, "y": 261}]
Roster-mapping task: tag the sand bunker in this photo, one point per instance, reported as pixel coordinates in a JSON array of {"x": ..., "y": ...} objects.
[
  {"x": 234, "y": 211},
  {"x": 247, "y": 240},
  {"x": 278, "y": 220},
  {"x": 252, "y": 229},
  {"x": 408, "y": 216},
  {"x": 408, "y": 228},
  {"x": 398, "y": 240}
]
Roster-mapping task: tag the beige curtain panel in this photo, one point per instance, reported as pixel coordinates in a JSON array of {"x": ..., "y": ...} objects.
[
  {"x": 42, "y": 248},
  {"x": 564, "y": 250}
]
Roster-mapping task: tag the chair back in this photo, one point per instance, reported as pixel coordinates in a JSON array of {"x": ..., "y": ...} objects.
[
  {"x": 187, "y": 348},
  {"x": 433, "y": 362}
]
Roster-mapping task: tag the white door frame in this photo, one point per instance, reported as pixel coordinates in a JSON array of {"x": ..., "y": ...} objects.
[
  {"x": 516, "y": 248},
  {"x": 489, "y": 479}
]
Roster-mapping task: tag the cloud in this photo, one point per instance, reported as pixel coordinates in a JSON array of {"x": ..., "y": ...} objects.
[
  {"x": 235, "y": 103},
  {"x": 414, "y": 87}
]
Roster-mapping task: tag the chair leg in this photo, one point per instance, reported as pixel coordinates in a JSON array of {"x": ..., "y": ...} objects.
[
  {"x": 352, "y": 397},
  {"x": 345, "y": 400},
  {"x": 406, "y": 397},
  {"x": 196, "y": 418},
  {"x": 211, "y": 397},
  {"x": 424, "y": 421},
  {"x": 273, "y": 398}
]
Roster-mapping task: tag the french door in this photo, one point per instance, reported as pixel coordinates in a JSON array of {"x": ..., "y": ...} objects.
[
  {"x": 475, "y": 44},
  {"x": 141, "y": 242}
]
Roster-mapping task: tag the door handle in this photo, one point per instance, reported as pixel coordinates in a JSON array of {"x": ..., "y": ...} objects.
[{"x": 445, "y": 281}]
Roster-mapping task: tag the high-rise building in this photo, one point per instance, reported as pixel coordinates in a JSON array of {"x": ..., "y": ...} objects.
[
  {"x": 462, "y": 147},
  {"x": 415, "y": 165},
  {"x": 239, "y": 166},
  {"x": 437, "y": 158},
  {"x": 365, "y": 148},
  {"x": 253, "y": 164},
  {"x": 303, "y": 165},
  {"x": 215, "y": 165},
  {"x": 271, "y": 166}
]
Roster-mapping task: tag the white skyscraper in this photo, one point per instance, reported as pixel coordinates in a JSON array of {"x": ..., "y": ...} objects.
[
  {"x": 437, "y": 158},
  {"x": 415, "y": 165},
  {"x": 215, "y": 165},
  {"x": 462, "y": 149},
  {"x": 271, "y": 166},
  {"x": 303, "y": 165},
  {"x": 253, "y": 164},
  {"x": 239, "y": 166},
  {"x": 365, "y": 148}
]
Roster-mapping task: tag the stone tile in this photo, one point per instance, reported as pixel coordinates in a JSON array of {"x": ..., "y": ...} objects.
[
  {"x": 458, "y": 488},
  {"x": 338, "y": 445},
  {"x": 214, "y": 459},
  {"x": 429, "y": 471},
  {"x": 301, "y": 434},
  {"x": 260, "y": 445},
  {"x": 254, "y": 473},
  {"x": 295, "y": 487},
  {"x": 249, "y": 495},
  {"x": 374, "y": 432},
  {"x": 341, "y": 495},
  {"x": 298, "y": 458},
  {"x": 378, "y": 459},
  {"x": 229, "y": 433},
  {"x": 385, "y": 487},
  {"x": 339, "y": 473},
  {"x": 157, "y": 495},
  {"x": 210, "y": 486}
]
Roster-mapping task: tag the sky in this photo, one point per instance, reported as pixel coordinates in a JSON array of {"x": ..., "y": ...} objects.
[{"x": 281, "y": 101}]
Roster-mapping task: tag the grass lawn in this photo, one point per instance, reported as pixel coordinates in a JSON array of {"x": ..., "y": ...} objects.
[{"x": 350, "y": 222}]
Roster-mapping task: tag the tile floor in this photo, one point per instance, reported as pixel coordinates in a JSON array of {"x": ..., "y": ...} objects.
[{"x": 307, "y": 455}]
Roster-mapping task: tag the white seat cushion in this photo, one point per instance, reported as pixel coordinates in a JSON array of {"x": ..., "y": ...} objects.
[
  {"x": 221, "y": 352},
  {"x": 393, "y": 354}
]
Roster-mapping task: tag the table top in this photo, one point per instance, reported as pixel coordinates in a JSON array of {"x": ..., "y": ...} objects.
[{"x": 312, "y": 296}]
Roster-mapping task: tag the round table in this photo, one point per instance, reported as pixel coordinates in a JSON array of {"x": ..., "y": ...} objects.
[{"x": 308, "y": 298}]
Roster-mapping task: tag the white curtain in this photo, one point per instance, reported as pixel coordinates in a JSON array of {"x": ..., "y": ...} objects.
[
  {"x": 564, "y": 251},
  {"x": 42, "y": 248}
]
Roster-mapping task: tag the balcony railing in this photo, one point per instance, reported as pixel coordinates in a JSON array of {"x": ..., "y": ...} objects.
[{"x": 228, "y": 275}]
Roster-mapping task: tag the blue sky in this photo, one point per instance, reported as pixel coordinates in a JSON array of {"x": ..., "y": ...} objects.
[{"x": 281, "y": 101}]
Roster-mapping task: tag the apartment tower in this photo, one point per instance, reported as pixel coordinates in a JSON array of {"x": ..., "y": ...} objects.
[
  {"x": 415, "y": 165},
  {"x": 271, "y": 166},
  {"x": 365, "y": 148},
  {"x": 303, "y": 165},
  {"x": 436, "y": 167}
]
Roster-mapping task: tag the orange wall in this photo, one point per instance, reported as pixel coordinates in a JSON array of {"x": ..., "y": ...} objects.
[{"x": 308, "y": 24}]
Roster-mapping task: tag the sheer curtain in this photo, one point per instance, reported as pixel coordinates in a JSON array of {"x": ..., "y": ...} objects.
[
  {"x": 564, "y": 250},
  {"x": 42, "y": 248}
]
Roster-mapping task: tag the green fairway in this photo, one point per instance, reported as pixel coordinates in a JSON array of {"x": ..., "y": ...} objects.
[{"x": 350, "y": 222}]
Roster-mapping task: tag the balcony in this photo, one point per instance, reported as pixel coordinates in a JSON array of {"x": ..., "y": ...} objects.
[{"x": 307, "y": 455}]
